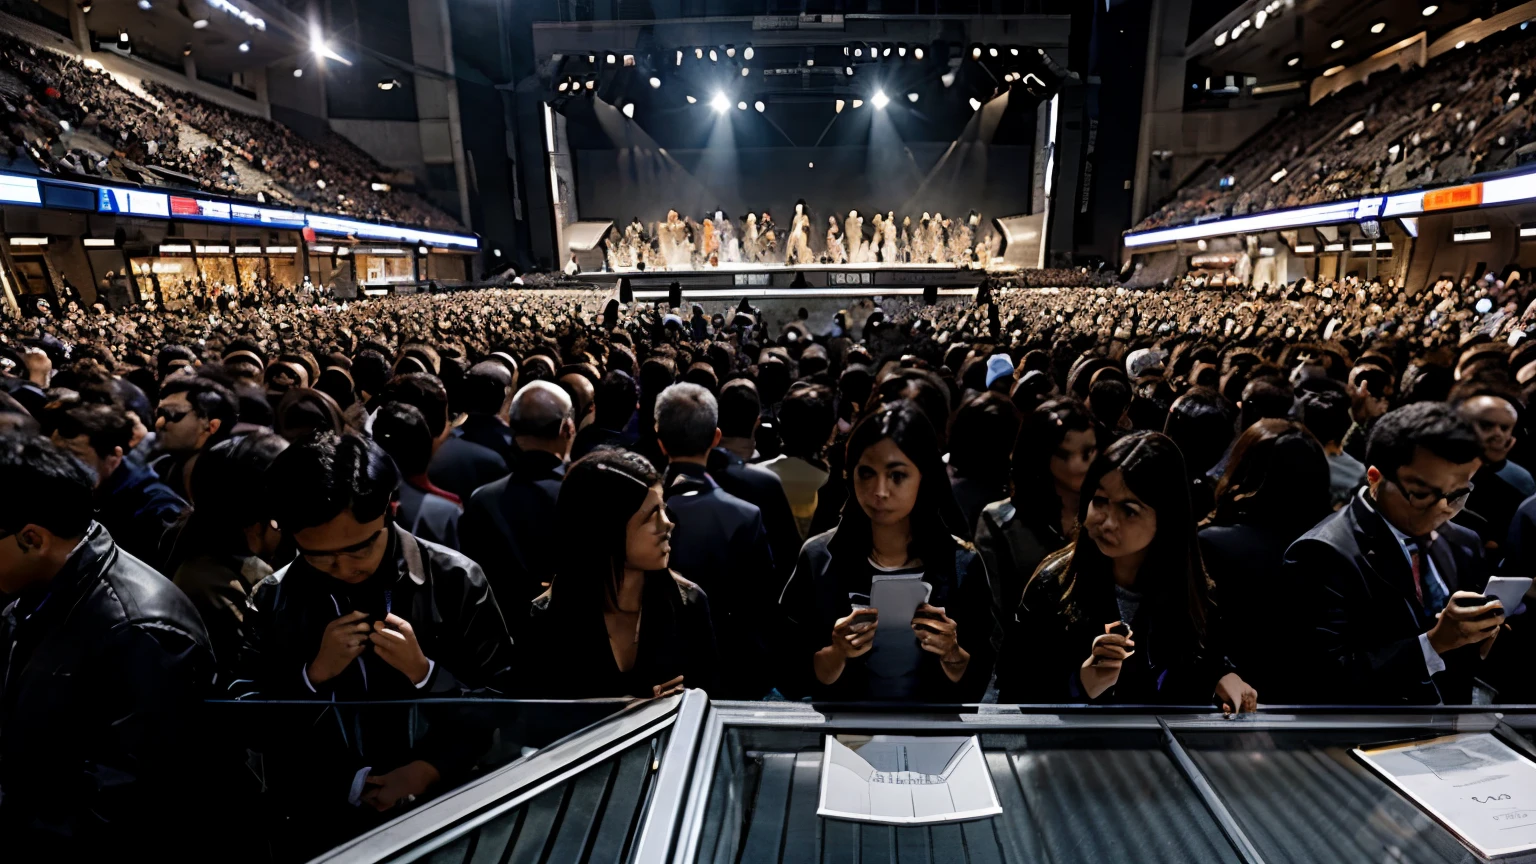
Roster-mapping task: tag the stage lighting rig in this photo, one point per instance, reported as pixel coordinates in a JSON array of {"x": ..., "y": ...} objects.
[
  {"x": 720, "y": 103},
  {"x": 629, "y": 110},
  {"x": 730, "y": 51},
  {"x": 747, "y": 53},
  {"x": 975, "y": 104},
  {"x": 655, "y": 83},
  {"x": 880, "y": 100},
  {"x": 975, "y": 52}
]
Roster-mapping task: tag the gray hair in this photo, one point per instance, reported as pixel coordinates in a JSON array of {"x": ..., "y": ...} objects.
[
  {"x": 686, "y": 417},
  {"x": 539, "y": 410}
]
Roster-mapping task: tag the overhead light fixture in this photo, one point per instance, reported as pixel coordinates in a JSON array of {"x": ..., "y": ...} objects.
[
  {"x": 122, "y": 37},
  {"x": 1293, "y": 60},
  {"x": 1384, "y": 246},
  {"x": 29, "y": 241},
  {"x": 146, "y": 5},
  {"x": 99, "y": 242},
  {"x": 1336, "y": 44},
  {"x": 85, "y": 8},
  {"x": 992, "y": 52},
  {"x": 1430, "y": 10},
  {"x": 612, "y": 59},
  {"x": 422, "y": 250},
  {"x": 298, "y": 72},
  {"x": 698, "y": 53},
  {"x": 976, "y": 53},
  {"x": 901, "y": 50},
  {"x": 679, "y": 58},
  {"x": 720, "y": 103},
  {"x": 886, "y": 52},
  {"x": 811, "y": 62},
  {"x": 917, "y": 53},
  {"x": 948, "y": 78},
  {"x": 742, "y": 105},
  {"x": 691, "y": 100},
  {"x": 1332, "y": 72},
  {"x": 175, "y": 248},
  {"x": 247, "y": 250},
  {"x": 730, "y": 50},
  {"x": 655, "y": 82},
  {"x": 911, "y": 97},
  {"x": 840, "y": 105},
  {"x": 1258, "y": 24},
  {"x": 848, "y": 70},
  {"x": 747, "y": 53},
  {"x": 1360, "y": 246},
  {"x": 759, "y": 106},
  {"x": 216, "y": 249},
  {"x": 1221, "y": 39},
  {"x": 1528, "y": 230},
  {"x": 629, "y": 109},
  {"x": 629, "y": 59},
  {"x": 1333, "y": 247},
  {"x": 245, "y": 47},
  {"x": 344, "y": 251},
  {"x": 200, "y": 24},
  {"x": 1472, "y": 235},
  {"x": 858, "y": 103},
  {"x": 713, "y": 57},
  {"x": 1013, "y": 51},
  {"x": 745, "y": 71},
  {"x": 1378, "y": 26},
  {"x": 1305, "y": 248},
  {"x": 810, "y": 164},
  {"x": 591, "y": 84},
  {"x": 975, "y": 104},
  {"x": 564, "y": 86}
]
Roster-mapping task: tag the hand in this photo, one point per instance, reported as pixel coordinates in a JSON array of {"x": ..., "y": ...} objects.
[
  {"x": 38, "y": 366},
  {"x": 340, "y": 644},
  {"x": 940, "y": 635},
  {"x": 852, "y": 636},
  {"x": 1101, "y": 670},
  {"x": 384, "y": 791},
  {"x": 1463, "y": 625},
  {"x": 1234, "y": 693},
  {"x": 671, "y": 688},
  {"x": 395, "y": 643}
]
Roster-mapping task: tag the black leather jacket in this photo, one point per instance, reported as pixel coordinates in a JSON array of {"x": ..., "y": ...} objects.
[{"x": 104, "y": 668}]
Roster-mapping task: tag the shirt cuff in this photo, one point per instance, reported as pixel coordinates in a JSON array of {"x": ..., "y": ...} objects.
[
  {"x": 1432, "y": 661},
  {"x": 304, "y": 671},
  {"x": 431, "y": 667},
  {"x": 355, "y": 794}
]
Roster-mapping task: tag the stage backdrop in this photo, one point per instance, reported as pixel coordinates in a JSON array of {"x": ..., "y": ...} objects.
[{"x": 951, "y": 179}]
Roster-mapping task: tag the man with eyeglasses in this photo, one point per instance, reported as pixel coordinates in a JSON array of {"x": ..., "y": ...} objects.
[
  {"x": 367, "y": 612},
  {"x": 1379, "y": 581}
]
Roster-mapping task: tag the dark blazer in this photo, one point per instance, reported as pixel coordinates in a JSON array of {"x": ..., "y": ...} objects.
[
  {"x": 1351, "y": 580},
  {"x": 489, "y": 432},
  {"x": 138, "y": 510},
  {"x": 461, "y": 466},
  {"x": 428, "y": 515},
  {"x": 1012, "y": 548},
  {"x": 1046, "y": 646},
  {"x": 1245, "y": 563},
  {"x": 762, "y": 489},
  {"x": 720, "y": 545},
  {"x": 576, "y": 661},
  {"x": 104, "y": 669},
  {"x": 816, "y": 597},
  {"x": 595, "y": 436},
  {"x": 508, "y": 527}
]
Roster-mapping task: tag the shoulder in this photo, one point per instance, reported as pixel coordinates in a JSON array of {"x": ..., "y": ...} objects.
[
  {"x": 1043, "y": 591},
  {"x": 688, "y": 592},
  {"x": 145, "y": 599},
  {"x": 999, "y": 512},
  {"x": 485, "y": 496}
]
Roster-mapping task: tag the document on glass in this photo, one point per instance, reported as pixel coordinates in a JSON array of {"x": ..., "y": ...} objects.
[
  {"x": 1480, "y": 788},
  {"x": 903, "y": 780}
]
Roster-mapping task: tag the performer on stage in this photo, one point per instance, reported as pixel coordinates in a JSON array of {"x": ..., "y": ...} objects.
[
  {"x": 769, "y": 239},
  {"x": 877, "y": 229},
  {"x": 751, "y": 240},
  {"x": 888, "y": 249},
  {"x": 730, "y": 245},
  {"x": 921, "y": 247},
  {"x": 938, "y": 248},
  {"x": 854, "y": 228},
  {"x": 904, "y": 242},
  {"x": 836, "y": 253},
  {"x": 711, "y": 241},
  {"x": 798, "y": 247}
]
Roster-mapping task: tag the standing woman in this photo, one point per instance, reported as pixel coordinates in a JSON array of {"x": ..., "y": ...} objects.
[
  {"x": 615, "y": 621},
  {"x": 1136, "y": 563},
  {"x": 891, "y": 528},
  {"x": 1051, "y": 456}
]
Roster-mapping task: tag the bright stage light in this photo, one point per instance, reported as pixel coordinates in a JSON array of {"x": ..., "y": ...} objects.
[
  {"x": 747, "y": 53},
  {"x": 741, "y": 106},
  {"x": 1430, "y": 10},
  {"x": 612, "y": 59},
  {"x": 848, "y": 70},
  {"x": 858, "y": 103},
  {"x": 629, "y": 109},
  {"x": 245, "y": 47},
  {"x": 730, "y": 50},
  {"x": 679, "y": 58},
  {"x": 759, "y": 106},
  {"x": 745, "y": 71},
  {"x": 298, "y": 73},
  {"x": 975, "y": 104},
  {"x": 655, "y": 82},
  {"x": 698, "y": 53},
  {"x": 948, "y": 78},
  {"x": 917, "y": 53},
  {"x": 199, "y": 23},
  {"x": 991, "y": 52},
  {"x": 145, "y": 5},
  {"x": 692, "y": 101},
  {"x": 720, "y": 103},
  {"x": 880, "y": 100},
  {"x": 840, "y": 104},
  {"x": 911, "y": 97},
  {"x": 713, "y": 57},
  {"x": 976, "y": 53}
]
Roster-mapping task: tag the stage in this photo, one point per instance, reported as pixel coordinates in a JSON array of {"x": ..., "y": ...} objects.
[{"x": 810, "y": 280}]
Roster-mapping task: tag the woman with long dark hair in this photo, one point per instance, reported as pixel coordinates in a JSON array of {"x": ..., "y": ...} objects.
[
  {"x": 1123, "y": 615},
  {"x": 842, "y": 645},
  {"x": 1274, "y": 490},
  {"x": 615, "y": 621},
  {"x": 1051, "y": 455}
]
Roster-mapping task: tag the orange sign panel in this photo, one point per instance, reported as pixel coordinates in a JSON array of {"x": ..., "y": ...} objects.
[{"x": 1470, "y": 195}]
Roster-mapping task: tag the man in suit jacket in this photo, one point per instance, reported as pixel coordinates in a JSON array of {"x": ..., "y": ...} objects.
[
  {"x": 508, "y": 524},
  {"x": 458, "y": 465},
  {"x": 1377, "y": 581},
  {"x": 487, "y": 395},
  {"x": 752, "y": 483},
  {"x": 719, "y": 541}
]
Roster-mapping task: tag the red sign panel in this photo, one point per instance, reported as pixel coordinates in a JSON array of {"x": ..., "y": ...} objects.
[
  {"x": 1470, "y": 195},
  {"x": 184, "y": 207}
]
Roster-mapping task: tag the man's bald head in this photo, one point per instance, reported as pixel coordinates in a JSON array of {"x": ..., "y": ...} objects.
[
  {"x": 542, "y": 411},
  {"x": 581, "y": 392}
]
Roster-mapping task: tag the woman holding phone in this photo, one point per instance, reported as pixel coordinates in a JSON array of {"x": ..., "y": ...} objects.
[
  {"x": 1123, "y": 614},
  {"x": 614, "y": 620},
  {"x": 843, "y": 646}
]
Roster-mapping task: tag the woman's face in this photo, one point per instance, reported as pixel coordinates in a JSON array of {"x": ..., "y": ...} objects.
[
  {"x": 647, "y": 539},
  {"x": 886, "y": 483},
  {"x": 1119, "y": 523},
  {"x": 1069, "y": 464}
]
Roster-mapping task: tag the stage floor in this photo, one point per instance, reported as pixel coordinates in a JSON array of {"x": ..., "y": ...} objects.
[{"x": 776, "y": 280}]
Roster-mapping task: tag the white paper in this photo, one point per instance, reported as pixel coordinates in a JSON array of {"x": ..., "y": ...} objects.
[
  {"x": 904, "y": 780},
  {"x": 1476, "y": 785}
]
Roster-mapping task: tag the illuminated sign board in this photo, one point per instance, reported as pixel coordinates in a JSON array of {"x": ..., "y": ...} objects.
[
  {"x": 34, "y": 191},
  {"x": 1470, "y": 195}
]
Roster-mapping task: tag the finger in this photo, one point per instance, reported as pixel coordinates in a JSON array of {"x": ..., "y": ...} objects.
[
  {"x": 397, "y": 622},
  {"x": 372, "y": 780},
  {"x": 353, "y": 616}
]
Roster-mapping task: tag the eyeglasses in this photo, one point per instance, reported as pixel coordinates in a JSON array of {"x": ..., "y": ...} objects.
[
  {"x": 355, "y": 552},
  {"x": 171, "y": 415},
  {"x": 1424, "y": 500}
]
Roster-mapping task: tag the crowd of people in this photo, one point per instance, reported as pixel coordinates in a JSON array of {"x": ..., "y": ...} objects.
[
  {"x": 680, "y": 243},
  {"x": 1464, "y": 114},
  {"x": 1048, "y": 495},
  {"x": 64, "y": 117}
]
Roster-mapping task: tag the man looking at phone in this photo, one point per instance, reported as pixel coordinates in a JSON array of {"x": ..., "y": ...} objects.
[
  {"x": 368, "y": 612},
  {"x": 1391, "y": 589}
]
